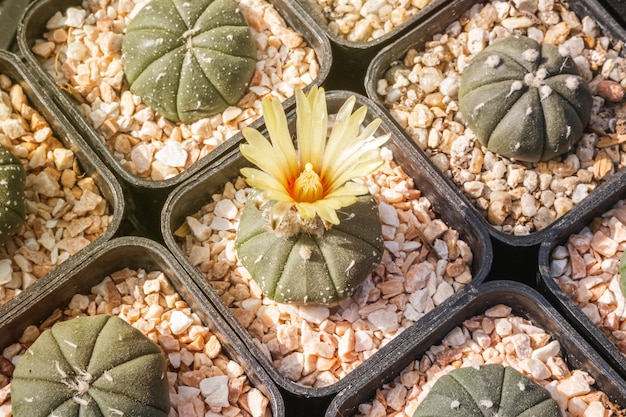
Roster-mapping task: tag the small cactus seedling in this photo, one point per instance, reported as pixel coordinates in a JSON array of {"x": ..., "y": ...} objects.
[
  {"x": 487, "y": 391},
  {"x": 524, "y": 100},
  {"x": 91, "y": 366},
  {"x": 12, "y": 200},
  {"x": 189, "y": 59},
  {"x": 308, "y": 233}
]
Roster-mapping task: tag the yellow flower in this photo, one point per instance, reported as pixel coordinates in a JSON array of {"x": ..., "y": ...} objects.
[{"x": 316, "y": 178}]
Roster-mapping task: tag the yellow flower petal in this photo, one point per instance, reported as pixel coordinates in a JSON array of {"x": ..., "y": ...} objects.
[
  {"x": 259, "y": 151},
  {"x": 276, "y": 124},
  {"x": 263, "y": 181},
  {"x": 349, "y": 189},
  {"x": 311, "y": 125},
  {"x": 326, "y": 212},
  {"x": 306, "y": 210}
]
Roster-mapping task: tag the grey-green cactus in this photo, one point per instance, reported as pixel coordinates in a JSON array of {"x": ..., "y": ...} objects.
[
  {"x": 189, "y": 59},
  {"x": 487, "y": 391},
  {"x": 315, "y": 266},
  {"x": 91, "y": 366},
  {"x": 12, "y": 200},
  {"x": 524, "y": 100}
]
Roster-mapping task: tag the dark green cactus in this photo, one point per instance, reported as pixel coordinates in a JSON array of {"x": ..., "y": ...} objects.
[
  {"x": 189, "y": 59},
  {"x": 524, "y": 100},
  {"x": 91, "y": 366},
  {"x": 12, "y": 200},
  {"x": 306, "y": 267},
  {"x": 490, "y": 390}
]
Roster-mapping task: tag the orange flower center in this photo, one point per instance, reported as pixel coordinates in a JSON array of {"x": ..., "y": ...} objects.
[{"x": 308, "y": 187}]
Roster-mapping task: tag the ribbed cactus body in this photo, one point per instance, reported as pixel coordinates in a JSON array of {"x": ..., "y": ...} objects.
[
  {"x": 524, "y": 100},
  {"x": 315, "y": 268},
  {"x": 189, "y": 59},
  {"x": 490, "y": 390},
  {"x": 91, "y": 366},
  {"x": 12, "y": 200}
]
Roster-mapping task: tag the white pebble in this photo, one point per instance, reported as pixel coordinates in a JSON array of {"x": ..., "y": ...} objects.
[
  {"x": 215, "y": 390},
  {"x": 172, "y": 154},
  {"x": 179, "y": 322}
]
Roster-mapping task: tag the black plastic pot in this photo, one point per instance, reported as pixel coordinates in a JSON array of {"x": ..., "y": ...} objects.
[
  {"x": 596, "y": 206},
  {"x": 417, "y": 38},
  {"x": 525, "y": 302},
  {"x": 133, "y": 253},
  {"x": 350, "y": 58},
  {"x": 107, "y": 184},
  {"x": 144, "y": 195},
  {"x": 187, "y": 199}
]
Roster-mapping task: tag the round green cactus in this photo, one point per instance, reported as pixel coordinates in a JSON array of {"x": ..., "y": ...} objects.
[
  {"x": 12, "y": 200},
  {"x": 189, "y": 59},
  {"x": 91, "y": 366},
  {"x": 524, "y": 100},
  {"x": 323, "y": 266},
  {"x": 490, "y": 390}
]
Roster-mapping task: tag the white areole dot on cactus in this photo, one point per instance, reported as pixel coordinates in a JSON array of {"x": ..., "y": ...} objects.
[{"x": 309, "y": 233}]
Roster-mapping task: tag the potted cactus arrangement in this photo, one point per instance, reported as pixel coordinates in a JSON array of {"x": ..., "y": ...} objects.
[
  {"x": 90, "y": 365},
  {"x": 322, "y": 226},
  {"x": 450, "y": 81}
]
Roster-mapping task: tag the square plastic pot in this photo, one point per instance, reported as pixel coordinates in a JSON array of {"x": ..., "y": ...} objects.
[
  {"x": 146, "y": 196},
  {"x": 89, "y": 163},
  {"x": 525, "y": 302},
  {"x": 351, "y": 58},
  {"x": 133, "y": 253},
  {"x": 423, "y": 33},
  {"x": 600, "y": 203},
  {"x": 187, "y": 199}
]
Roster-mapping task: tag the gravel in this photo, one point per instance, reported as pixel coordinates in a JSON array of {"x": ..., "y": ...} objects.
[
  {"x": 65, "y": 210},
  {"x": 586, "y": 268},
  {"x": 367, "y": 20}
]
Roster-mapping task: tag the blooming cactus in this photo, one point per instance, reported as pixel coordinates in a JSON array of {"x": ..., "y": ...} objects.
[
  {"x": 308, "y": 233},
  {"x": 489, "y": 390},
  {"x": 91, "y": 366},
  {"x": 524, "y": 100},
  {"x": 12, "y": 201},
  {"x": 189, "y": 59}
]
